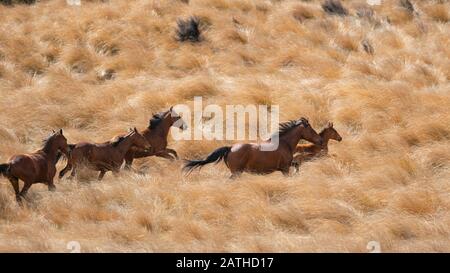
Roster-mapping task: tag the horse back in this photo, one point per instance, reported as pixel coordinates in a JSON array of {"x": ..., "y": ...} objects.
[
  {"x": 81, "y": 151},
  {"x": 94, "y": 153},
  {"x": 307, "y": 148},
  {"x": 254, "y": 157},
  {"x": 29, "y": 167}
]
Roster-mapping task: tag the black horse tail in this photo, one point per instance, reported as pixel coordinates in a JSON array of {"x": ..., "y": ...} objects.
[
  {"x": 4, "y": 169},
  {"x": 214, "y": 157}
]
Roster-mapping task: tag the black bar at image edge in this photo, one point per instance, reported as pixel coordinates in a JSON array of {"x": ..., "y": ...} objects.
[{"x": 225, "y": 262}]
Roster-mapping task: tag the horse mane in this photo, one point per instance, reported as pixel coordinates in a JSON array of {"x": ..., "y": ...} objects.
[
  {"x": 323, "y": 131},
  {"x": 46, "y": 140},
  {"x": 156, "y": 120},
  {"x": 117, "y": 141},
  {"x": 285, "y": 127}
]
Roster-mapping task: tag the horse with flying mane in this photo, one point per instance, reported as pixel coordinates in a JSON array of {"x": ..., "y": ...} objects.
[
  {"x": 265, "y": 157},
  {"x": 37, "y": 167},
  {"x": 103, "y": 157},
  {"x": 156, "y": 134}
]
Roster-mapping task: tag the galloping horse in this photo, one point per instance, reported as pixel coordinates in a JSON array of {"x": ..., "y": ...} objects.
[
  {"x": 306, "y": 152},
  {"x": 37, "y": 167},
  {"x": 156, "y": 134},
  {"x": 103, "y": 157},
  {"x": 265, "y": 157}
]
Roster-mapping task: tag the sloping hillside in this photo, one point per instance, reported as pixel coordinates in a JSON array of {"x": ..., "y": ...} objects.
[{"x": 380, "y": 73}]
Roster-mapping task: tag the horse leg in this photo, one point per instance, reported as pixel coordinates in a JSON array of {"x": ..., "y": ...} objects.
[
  {"x": 115, "y": 171},
  {"x": 65, "y": 170},
  {"x": 129, "y": 157},
  {"x": 165, "y": 154},
  {"x": 172, "y": 152},
  {"x": 15, "y": 184},
  {"x": 101, "y": 174},
  {"x": 285, "y": 171},
  {"x": 296, "y": 166},
  {"x": 128, "y": 164},
  {"x": 51, "y": 185},
  {"x": 25, "y": 189},
  {"x": 116, "y": 174},
  {"x": 296, "y": 162},
  {"x": 235, "y": 174},
  {"x": 74, "y": 172}
]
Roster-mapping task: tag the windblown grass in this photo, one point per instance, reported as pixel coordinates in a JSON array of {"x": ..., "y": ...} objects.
[{"x": 387, "y": 181}]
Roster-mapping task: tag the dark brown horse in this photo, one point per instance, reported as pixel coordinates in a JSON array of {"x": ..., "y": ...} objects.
[
  {"x": 156, "y": 134},
  {"x": 265, "y": 157},
  {"x": 307, "y": 152},
  {"x": 37, "y": 167},
  {"x": 108, "y": 156}
]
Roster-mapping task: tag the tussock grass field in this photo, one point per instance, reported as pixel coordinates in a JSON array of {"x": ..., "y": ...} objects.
[{"x": 380, "y": 73}]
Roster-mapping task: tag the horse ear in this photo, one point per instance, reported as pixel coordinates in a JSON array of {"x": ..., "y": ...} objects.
[
  {"x": 305, "y": 120},
  {"x": 135, "y": 130},
  {"x": 171, "y": 108},
  {"x": 330, "y": 124},
  {"x": 61, "y": 131}
]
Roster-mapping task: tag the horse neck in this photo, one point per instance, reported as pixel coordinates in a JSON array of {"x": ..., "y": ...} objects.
[
  {"x": 50, "y": 150},
  {"x": 292, "y": 137},
  {"x": 162, "y": 129},
  {"x": 325, "y": 138},
  {"x": 124, "y": 145}
]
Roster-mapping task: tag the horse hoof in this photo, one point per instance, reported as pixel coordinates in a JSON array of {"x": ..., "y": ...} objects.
[{"x": 19, "y": 201}]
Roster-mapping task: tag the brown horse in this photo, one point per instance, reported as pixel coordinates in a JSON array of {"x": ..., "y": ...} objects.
[
  {"x": 265, "y": 157},
  {"x": 307, "y": 152},
  {"x": 156, "y": 134},
  {"x": 103, "y": 157},
  {"x": 37, "y": 167}
]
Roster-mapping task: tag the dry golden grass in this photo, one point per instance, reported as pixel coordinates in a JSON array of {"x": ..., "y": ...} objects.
[{"x": 387, "y": 181}]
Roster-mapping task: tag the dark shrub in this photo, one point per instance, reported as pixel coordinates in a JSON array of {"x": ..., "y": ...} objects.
[
  {"x": 334, "y": 7},
  {"x": 11, "y": 2},
  {"x": 368, "y": 48},
  {"x": 188, "y": 30},
  {"x": 107, "y": 74},
  {"x": 407, "y": 5}
]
